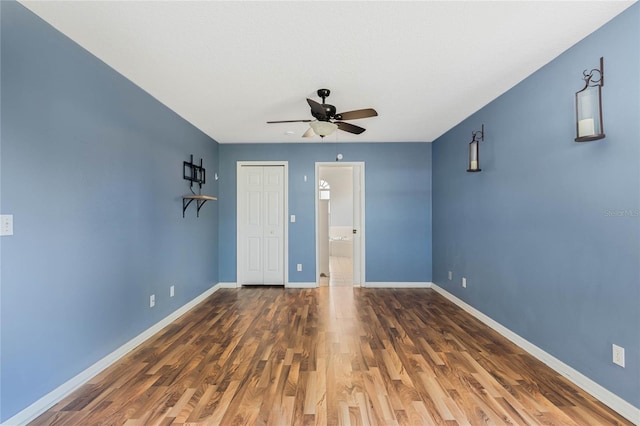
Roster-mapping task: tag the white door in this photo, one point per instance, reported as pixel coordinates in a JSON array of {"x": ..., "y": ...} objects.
[{"x": 261, "y": 225}]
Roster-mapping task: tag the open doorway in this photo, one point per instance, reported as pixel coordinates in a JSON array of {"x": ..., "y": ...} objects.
[{"x": 340, "y": 224}]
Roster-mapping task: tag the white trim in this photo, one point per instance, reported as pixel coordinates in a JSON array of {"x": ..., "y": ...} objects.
[
  {"x": 363, "y": 224},
  {"x": 613, "y": 401},
  {"x": 285, "y": 212},
  {"x": 411, "y": 284},
  {"x": 62, "y": 391},
  {"x": 228, "y": 285},
  {"x": 302, "y": 285}
]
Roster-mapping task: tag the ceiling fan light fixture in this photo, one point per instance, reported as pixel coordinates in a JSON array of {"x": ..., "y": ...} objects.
[
  {"x": 323, "y": 128},
  {"x": 324, "y": 114}
]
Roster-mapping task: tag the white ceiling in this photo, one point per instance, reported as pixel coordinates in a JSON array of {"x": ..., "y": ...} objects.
[{"x": 228, "y": 67}]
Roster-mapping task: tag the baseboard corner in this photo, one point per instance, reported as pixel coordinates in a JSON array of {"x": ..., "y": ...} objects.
[{"x": 610, "y": 399}]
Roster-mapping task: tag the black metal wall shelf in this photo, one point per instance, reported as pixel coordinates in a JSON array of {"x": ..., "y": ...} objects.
[
  {"x": 200, "y": 200},
  {"x": 194, "y": 174}
]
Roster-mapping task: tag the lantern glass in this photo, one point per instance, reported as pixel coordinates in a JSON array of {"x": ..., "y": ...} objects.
[
  {"x": 588, "y": 112},
  {"x": 474, "y": 164}
]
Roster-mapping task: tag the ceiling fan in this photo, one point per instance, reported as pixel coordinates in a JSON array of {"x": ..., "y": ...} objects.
[{"x": 327, "y": 120}]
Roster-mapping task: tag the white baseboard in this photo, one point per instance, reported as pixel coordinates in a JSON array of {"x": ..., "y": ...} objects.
[
  {"x": 228, "y": 285},
  {"x": 302, "y": 285},
  {"x": 412, "y": 284},
  {"x": 62, "y": 391},
  {"x": 613, "y": 401}
]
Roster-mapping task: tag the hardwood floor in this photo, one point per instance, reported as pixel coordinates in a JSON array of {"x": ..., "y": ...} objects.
[
  {"x": 340, "y": 271},
  {"x": 328, "y": 356}
]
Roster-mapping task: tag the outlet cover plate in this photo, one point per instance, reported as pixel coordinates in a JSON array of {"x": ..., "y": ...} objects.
[
  {"x": 618, "y": 355},
  {"x": 6, "y": 224}
]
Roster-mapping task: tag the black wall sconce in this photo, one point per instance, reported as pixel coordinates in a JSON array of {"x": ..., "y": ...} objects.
[
  {"x": 589, "y": 106},
  {"x": 474, "y": 152}
]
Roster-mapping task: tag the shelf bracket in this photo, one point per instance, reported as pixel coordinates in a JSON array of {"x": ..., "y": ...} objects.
[
  {"x": 200, "y": 204},
  {"x": 185, "y": 204}
]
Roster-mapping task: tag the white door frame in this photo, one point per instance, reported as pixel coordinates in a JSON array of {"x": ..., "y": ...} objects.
[
  {"x": 285, "y": 212},
  {"x": 362, "y": 214}
]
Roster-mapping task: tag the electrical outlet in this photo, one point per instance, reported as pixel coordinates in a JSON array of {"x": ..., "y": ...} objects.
[
  {"x": 152, "y": 301},
  {"x": 299, "y": 267},
  {"x": 618, "y": 355},
  {"x": 450, "y": 275},
  {"x": 172, "y": 291},
  {"x": 464, "y": 282}
]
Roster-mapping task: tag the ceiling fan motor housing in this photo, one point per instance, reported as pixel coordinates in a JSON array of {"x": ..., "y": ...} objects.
[{"x": 329, "y": 112}]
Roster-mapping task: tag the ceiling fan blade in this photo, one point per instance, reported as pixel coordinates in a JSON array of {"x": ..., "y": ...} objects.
[
  {"x": 290, "y": 121},
  {"x": 317, "y": 109},
  {"x": 347, "y": 127},
  {"x": 309, "y": 133},
  {"x": 358, "y": 113}
]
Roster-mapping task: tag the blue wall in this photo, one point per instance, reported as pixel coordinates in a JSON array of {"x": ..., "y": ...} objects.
[
  {"x": 91, "y": 169},
  {"x": 548, "y": 234},
  {"x": 397, "y": 210}
]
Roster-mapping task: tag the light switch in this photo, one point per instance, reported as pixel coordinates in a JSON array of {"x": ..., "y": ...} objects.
[
  {"x": 6, "y": 224},
  {"x": 293, "y": 218}
]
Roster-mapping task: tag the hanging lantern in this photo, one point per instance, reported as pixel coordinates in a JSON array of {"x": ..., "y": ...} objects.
[
  {"x": 589, "y": 106},
  {"x": 474, "y": 150}
]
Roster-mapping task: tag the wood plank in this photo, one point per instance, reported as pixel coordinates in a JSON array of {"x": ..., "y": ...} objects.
[{"x": 328, "y": 356}]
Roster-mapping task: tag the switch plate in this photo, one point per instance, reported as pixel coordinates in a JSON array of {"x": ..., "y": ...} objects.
[
  {"x": 6, "y": 224},
  {"x": 299, "y": 267},
  {"x": 618, "y": 355},
  {"x": 464, "y": 282},
  {"x": 293, "y": 218},
  {"x": 450, "y": 275},
  {"x": 152, "y": 301},
  {"x": 172, "y": 291}
]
